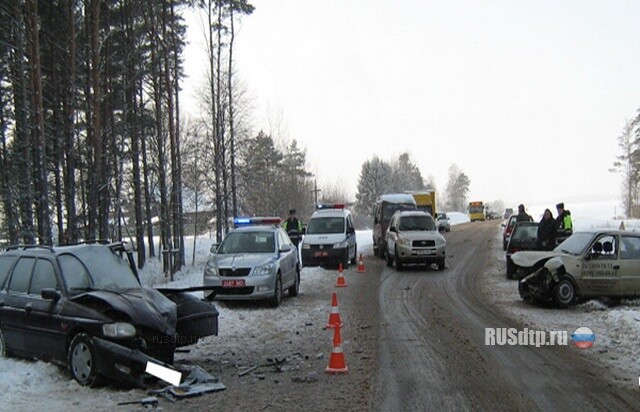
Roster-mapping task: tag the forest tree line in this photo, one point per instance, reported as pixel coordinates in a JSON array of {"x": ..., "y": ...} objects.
[{"x": 95, "y": 147}]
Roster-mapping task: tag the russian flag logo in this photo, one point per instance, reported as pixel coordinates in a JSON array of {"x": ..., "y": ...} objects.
[{"x": 583, "y": 337}]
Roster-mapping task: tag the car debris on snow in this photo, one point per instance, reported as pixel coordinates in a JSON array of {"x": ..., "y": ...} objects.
[{"x": 198, "y": 382}]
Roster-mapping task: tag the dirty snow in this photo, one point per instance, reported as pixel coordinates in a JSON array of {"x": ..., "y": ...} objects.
[{"x": 26, "y": 385}]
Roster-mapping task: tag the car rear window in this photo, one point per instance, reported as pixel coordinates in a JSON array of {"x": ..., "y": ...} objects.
[{"x": 525, "y": 233}]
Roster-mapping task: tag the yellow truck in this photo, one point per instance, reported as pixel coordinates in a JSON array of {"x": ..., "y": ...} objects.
[{"x": 425, "y": 201}]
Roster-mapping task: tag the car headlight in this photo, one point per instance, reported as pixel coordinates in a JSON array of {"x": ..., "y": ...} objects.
[
  {"x": 211, "y": 269},
  {"x": 267, "y": 269},
  {"x": 340, "y": 245},
  {"x": 119, "y": 330},
  {"x": 306, "y": 245},
  {"x": 401, "y": 241},
  {"x": 441, "y": 241}
]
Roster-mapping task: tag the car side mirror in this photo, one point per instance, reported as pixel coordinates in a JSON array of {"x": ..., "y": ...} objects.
[
  {"x": 214, "y": 248},
  {"x": 50, "y": 294},
  {"x": 393, "y": 229},
  {"x": 304, "y": 230},
  {"x": 351, "y": 231},
  {"x": 285, "y": 248}
]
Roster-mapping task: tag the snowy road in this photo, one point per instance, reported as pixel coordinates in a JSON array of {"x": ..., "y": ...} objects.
[{"x": 433, "y": 355}]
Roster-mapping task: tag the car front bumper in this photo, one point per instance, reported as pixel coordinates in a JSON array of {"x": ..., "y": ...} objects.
[
  {"x": 254, "y": 287},
  {"x": 327, "y": 256},
  {"x": 413, "y": 254},
  {"x": 120, "y": 363}
]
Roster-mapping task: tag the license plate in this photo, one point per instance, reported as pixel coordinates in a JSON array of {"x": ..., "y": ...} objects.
[
  {"x": 423, "y": 252},
  {"x": 234, "y": 283},
  {"x": 319, "y": 254}
]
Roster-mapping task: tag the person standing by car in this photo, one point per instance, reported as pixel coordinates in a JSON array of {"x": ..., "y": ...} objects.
[
  {"x": 293, "y": 227},
  {"x": 564, "y": 224},
  {"x": 522, "y": 215},
  {"x": 547, "y": 231}
]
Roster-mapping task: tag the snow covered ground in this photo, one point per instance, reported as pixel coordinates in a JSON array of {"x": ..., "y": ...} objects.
[{"x": 26, "y": 385}]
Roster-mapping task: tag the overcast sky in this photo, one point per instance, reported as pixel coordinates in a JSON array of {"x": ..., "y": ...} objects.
[{"x": 526, "y": 97}]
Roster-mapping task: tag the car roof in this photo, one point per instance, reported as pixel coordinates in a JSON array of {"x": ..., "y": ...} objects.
[
  {"x": 397, "y": 198},
  {"x": 255, "y": 228},
  {"x": 44, "y": 250},
  {"x": 331, "y": 213},
  {"x": 403, "y": 213}
]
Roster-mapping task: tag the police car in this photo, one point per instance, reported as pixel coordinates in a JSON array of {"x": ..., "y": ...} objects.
[
  {"x": 255, "y": 261},
  {"x": 329, "y": 238}
]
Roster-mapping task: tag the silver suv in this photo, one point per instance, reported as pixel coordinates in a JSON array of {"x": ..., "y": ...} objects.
[{"x": 413, "y": 237}]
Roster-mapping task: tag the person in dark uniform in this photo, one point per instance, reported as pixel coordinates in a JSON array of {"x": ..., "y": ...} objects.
[
  {"x": 547, "y": 231},
  {"x": 293, "y": 227},
  {"x": 522, "y": 215},
  {"x": 564, "y": 224}
]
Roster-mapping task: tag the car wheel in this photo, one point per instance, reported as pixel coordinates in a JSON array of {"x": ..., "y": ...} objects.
[
  {"x": 399, "y": 266},
  {"x": 381, "y": 249},
  {"x": 354, "y": 261},
  {"x": 295, "y": 289},
  {"x": 277, "y": 293},
  {"x": 82, "y": 360},
  {"x": 441, "y": 264},
  {"x": 389, "y": 260},
  {"x": 3, "y": 346},
  {"x": 504, "y": 245},
  {"x": 564, "y": 293}
]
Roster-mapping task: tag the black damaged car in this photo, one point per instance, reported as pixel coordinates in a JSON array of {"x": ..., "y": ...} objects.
[{"x": 83, "y": 306}]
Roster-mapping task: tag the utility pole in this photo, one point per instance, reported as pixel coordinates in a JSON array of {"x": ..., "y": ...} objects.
[{"x": 315, "y": 192}]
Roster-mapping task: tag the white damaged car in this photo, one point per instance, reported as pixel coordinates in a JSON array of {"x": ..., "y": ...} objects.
[{"x": 603, "y": 263}]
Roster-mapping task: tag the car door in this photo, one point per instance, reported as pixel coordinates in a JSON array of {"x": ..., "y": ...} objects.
[
  {"x": 629, "y": 263},
  {"x": 287, "y": 259},
  {"x": 351, "y": 237},
  {"x": 392, "y": 235},
  {"x": 14, "y": 319},
  {"x": 34, "y": 320},
  {"x": 600, "y": 272},
  {"x": 44, "y": 334}
]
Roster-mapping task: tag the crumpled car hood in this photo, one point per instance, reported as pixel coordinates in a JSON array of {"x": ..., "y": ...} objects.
[
  {"x": 146, "y": 308},
  {"x": 528, "y": 259}
]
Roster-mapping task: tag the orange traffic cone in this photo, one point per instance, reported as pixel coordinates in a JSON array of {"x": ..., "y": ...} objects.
[
  {"x": 334, "y": 316},
  {"x": 360, "y": 264},
  {"x": 337, "y": 338},
  {"x": 337, "y": 362},
  {"x": 341, "y": 281}
]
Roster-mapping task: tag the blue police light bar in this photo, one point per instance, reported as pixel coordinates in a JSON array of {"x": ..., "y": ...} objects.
[
  {"x": 330, "y": 206},
  {"x": 252, "y": 221}
]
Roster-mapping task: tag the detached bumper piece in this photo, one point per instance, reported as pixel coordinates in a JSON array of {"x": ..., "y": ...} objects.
[{"x": 122, "y": 364}]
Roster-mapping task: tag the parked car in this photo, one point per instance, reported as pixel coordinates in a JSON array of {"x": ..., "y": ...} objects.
[
  {"x": 414, "y": 238},
  {"x": 601, "y": 263},
  {"x": 443, "y": 221},
  {"x": 523, "y": 237},
  {"x": 329, "y": 238},
  {"x": 83, "y": 306},
  {"x": 255, "y": 261},
  {"x": 508, "y": 227}
]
